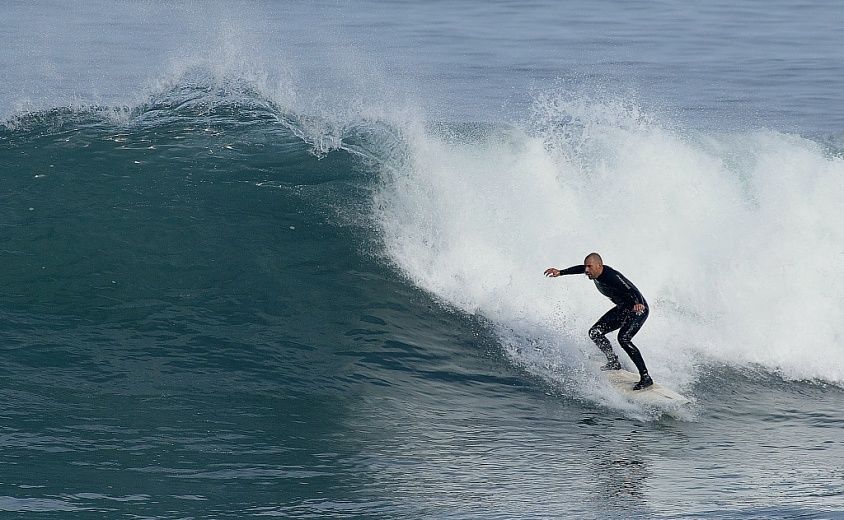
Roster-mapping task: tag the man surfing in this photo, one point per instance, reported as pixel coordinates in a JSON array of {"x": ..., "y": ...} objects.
[{"x": 628, "y": 315}]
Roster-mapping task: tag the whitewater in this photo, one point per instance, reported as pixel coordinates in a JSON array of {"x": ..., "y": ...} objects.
[
  {"x": 740, "y": 271},
  {"x": 287, "y": 259}
]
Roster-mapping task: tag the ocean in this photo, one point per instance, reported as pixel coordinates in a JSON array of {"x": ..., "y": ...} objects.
[{"x": 285, "y": 259}]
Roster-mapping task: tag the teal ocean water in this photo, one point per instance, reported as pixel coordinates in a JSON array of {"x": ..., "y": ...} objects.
[{"x": 284, "y": 259}]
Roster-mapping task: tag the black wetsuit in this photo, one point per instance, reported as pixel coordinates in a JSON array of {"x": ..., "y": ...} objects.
[{"x": 624, "y": 295}]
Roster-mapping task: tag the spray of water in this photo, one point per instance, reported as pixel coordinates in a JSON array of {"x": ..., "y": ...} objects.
[{"x": 734, "y": 239}]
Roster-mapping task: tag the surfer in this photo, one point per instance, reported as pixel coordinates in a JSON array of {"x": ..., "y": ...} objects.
[{"x": 628, "y": 315}]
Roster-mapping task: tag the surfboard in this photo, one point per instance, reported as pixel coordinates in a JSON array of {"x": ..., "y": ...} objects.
[{"x": 656, "y": 394}]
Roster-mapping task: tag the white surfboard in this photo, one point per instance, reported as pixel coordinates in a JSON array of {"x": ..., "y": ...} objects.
[{"x": 656, "y": 394}]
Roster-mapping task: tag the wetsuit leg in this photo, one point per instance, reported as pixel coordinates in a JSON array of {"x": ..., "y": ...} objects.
[
  {"x": 630, "y": 325},
  {"x": 609, "y": 322}
]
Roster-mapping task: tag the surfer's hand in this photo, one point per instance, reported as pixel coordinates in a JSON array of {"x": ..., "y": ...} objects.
[
  {"x": 552, "y": 272},
  {"x": 638, "y": 308}
]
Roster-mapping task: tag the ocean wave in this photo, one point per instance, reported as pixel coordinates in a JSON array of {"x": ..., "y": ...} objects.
[{"x": 732, "y": 237}]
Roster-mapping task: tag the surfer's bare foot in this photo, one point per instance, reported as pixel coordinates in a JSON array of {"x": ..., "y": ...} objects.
[
  {"x": 645, "y": 382},
  {"x": 612, "y": 365}
]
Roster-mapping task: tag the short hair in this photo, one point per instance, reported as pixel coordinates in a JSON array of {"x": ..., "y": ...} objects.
[{"x": 594, "y": 256}]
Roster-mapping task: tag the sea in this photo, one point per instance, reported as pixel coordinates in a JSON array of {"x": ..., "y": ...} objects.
[{"x": 285, "y": 258}]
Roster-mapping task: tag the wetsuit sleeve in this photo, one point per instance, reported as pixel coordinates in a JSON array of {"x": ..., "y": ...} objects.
[{"x": 575, "y": 269}]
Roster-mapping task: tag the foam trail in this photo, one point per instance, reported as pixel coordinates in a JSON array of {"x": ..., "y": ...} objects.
[{"x": 734, "y": 239}]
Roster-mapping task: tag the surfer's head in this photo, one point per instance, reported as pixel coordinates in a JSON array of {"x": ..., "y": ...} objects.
[{"x": 594, "y": 265}]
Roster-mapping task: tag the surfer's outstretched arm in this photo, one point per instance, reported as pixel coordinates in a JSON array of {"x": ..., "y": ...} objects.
[{"x": 553, "y": 272}]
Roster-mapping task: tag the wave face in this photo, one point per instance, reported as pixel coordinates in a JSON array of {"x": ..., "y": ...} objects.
[{"x": 210, "y": 231}]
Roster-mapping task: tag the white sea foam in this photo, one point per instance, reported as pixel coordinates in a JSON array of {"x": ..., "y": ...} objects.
[{"x": 736, "y": 240}]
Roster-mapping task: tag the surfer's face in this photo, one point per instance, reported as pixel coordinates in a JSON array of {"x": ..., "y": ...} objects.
[{"x": 593, "y": 268}]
